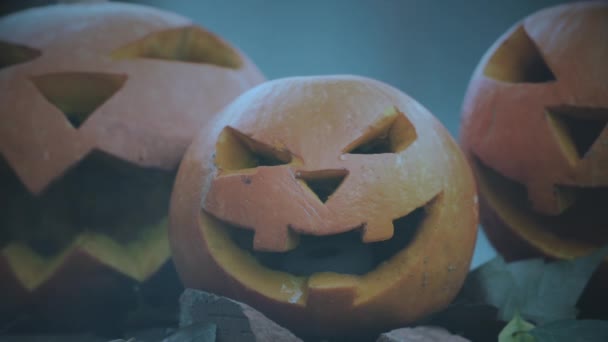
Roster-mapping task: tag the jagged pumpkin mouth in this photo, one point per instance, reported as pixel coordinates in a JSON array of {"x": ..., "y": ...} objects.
[
  {"x": 576, "y": 231},
  {"x": 343, "y": 253},
  {"x": 328, "y": 262},
  {"x": 99, "y": 195}
]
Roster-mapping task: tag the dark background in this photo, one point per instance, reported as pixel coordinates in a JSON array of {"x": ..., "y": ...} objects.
[{"x": 426, "y": 48}]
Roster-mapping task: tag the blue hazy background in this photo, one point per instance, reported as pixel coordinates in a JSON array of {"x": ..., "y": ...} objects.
[{"x": 428, "y": 49}]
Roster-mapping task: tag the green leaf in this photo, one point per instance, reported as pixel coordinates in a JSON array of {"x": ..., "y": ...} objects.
[
  {"x": 572, "y": 330},
  {"x": 517, "y": 330},
  {"x": 541, "y": 292}
]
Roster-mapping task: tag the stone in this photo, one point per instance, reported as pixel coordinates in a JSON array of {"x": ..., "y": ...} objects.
[
  {"x": 52, "y": 338},
  {"x": 235, "y": 321},
  {"x": 197, "y": 332},
  {"x": 420, "y": 334}
]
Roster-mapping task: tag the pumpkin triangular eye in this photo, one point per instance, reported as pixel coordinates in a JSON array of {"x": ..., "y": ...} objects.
[
  {"x": 518, "y": 59},
  {"x": 78, "y": 94},
  {"x": 185, "y": 44},
  {"x": 577, "y": 128},
  {"x": 237, "y": 151},
  {"x": 393, "y": 133},
  {"x": 323, "y": 183},
  {"x": 14, "y": 54}
]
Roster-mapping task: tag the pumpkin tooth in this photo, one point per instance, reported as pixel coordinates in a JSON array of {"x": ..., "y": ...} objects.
[
  {"x": 339, "y": 289},
  {"x": 278, "y": 239},
  {"x": 138, "y": 259},
  {"x": 550, "y": 199},
  {"x": 377, "y": 231}
]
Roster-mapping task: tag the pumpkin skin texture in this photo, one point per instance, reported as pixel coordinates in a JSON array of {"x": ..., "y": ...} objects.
[
  {"x": 97, "y": 111},
  {"x": 534, "y": 127},
  {"x": 247, "y": 202}
]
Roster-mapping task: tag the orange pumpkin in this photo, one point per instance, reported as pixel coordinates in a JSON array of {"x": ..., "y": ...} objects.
[
  {"x": 99, "y": 102},
  {"x": 534, "y": 126},
  {"x": 336, "y": 205}
]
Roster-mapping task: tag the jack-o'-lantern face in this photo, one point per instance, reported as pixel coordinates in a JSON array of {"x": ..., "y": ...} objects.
[
  {"x": 99, "y": 102},
  {"x": 333, "y": 204},
  {"x": 534, "y": 125}
]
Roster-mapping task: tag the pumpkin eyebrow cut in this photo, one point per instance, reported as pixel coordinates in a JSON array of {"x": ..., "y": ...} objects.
[
  {"x": 237, "y": 151},
  {"x": 393, "y": 133},
  {"x": 13, "y": 54},
  {"x": 190, "y": 44},
  {"x": 518, "y": 60}
]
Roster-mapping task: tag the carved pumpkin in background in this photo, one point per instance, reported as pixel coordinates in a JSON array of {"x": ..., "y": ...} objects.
[
  {"x": 336, "y": 205},
  {"x": 98, "y": 104},
  {"x": 534, "y": 126}
]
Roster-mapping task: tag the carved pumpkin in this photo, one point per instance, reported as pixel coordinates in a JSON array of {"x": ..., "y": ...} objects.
[
  {"x": 99, "y": 102},
  {"x": 534, "y": 126},
  {"x": 336, "y": 205}
]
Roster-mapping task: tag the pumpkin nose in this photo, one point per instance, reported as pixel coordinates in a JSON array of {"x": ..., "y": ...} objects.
[{"x": 322, "y": 183}]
